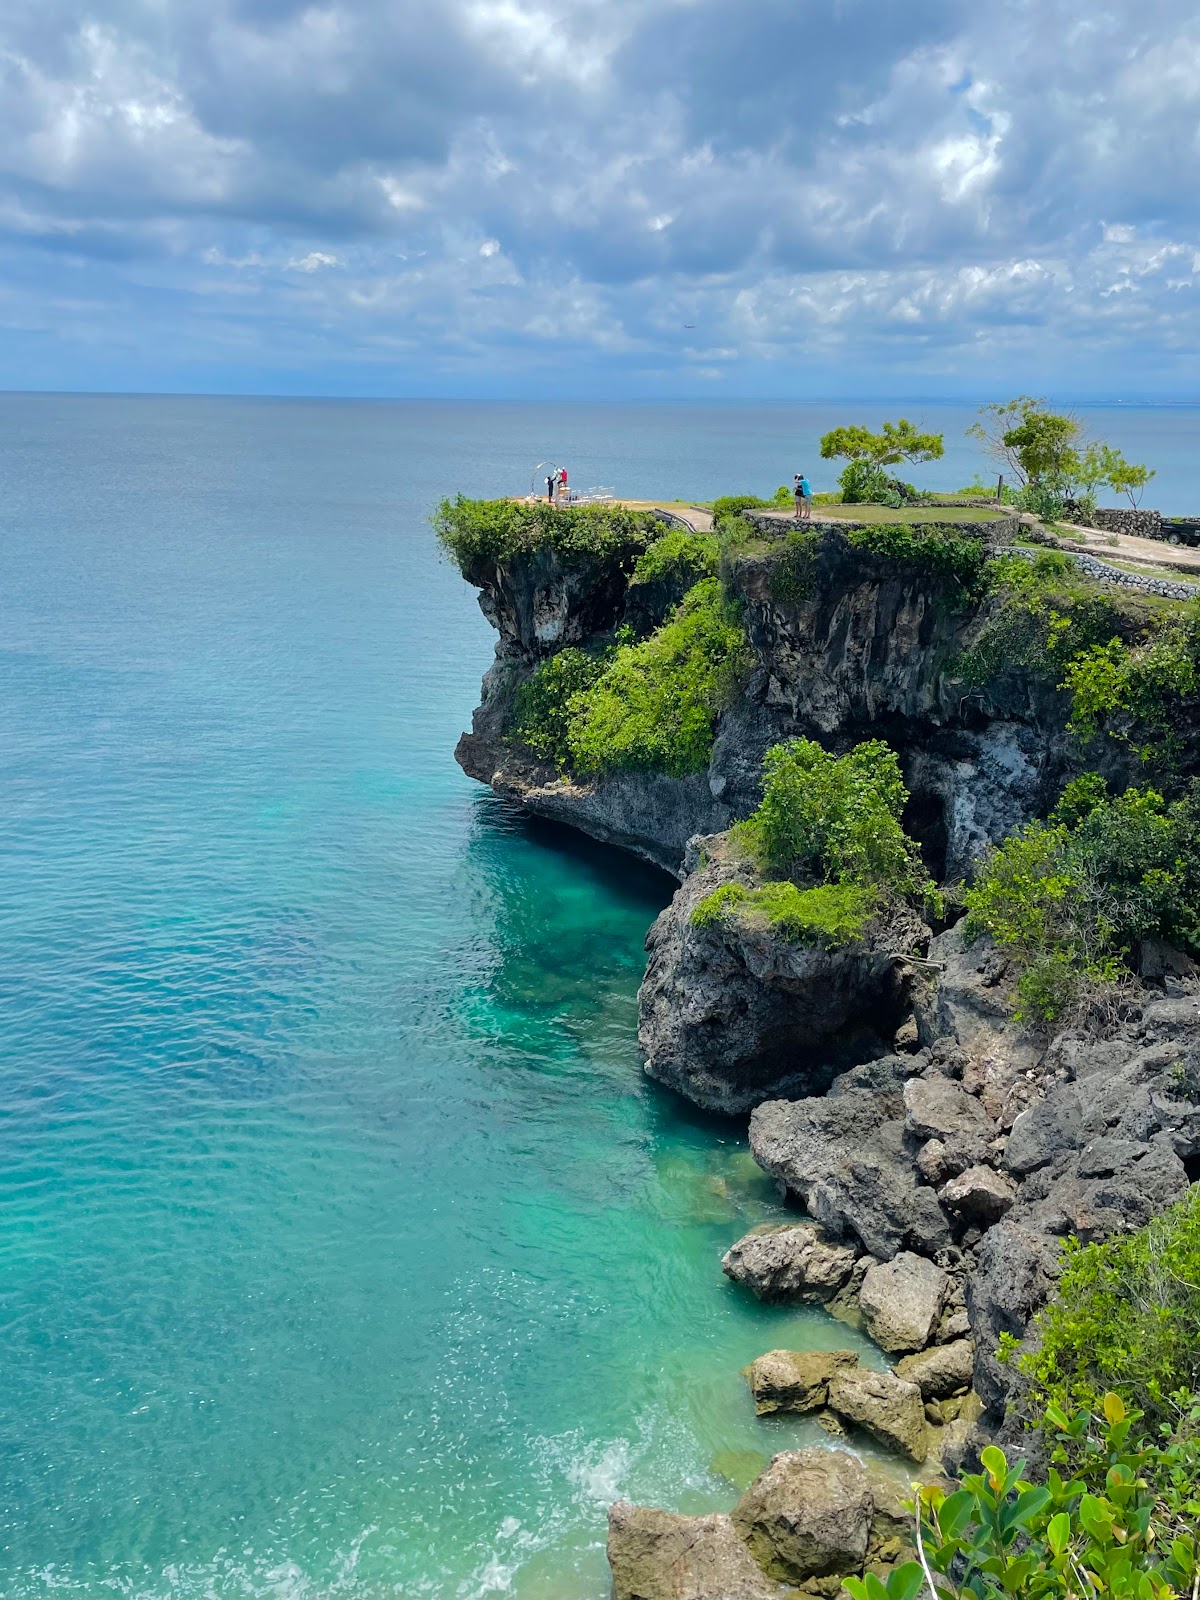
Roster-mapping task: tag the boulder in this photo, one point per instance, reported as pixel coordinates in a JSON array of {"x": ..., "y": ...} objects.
[
  {"x": 798, "y": 1262},
  {"x": 902, "y": 1301},
  {"x": 733, "y": 1012},
  {"x": 846, "y": 1156},
  {"x": 939, "y": 1108},
  {"x": 1045, "y": 1131},
  {"x": 980, "y": 1194},
  {"x": 659, "y": 1555},
  {"x": 941, "y": 1371},
  {"x": 891, "y": 1538},
  {"x": 794, "y": 1380},
  {"x": 1015, "y": 1273},
  {"x": 889, "y": 1408},
  {"x": 808, "y": 1515}
]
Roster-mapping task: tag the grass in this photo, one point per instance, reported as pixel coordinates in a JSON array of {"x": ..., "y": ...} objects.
[{"x": 914, "y": 514}]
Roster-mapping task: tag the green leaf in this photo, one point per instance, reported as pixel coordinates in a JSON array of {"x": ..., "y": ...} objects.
[
  {"x": 1059, "y": 1532},
  {"x": 1114, "y": 1407},
  {"x": 996, "y": 1463},
  {"x": 904, "y": 1582},
  {"x": 955, "y": 1512}
]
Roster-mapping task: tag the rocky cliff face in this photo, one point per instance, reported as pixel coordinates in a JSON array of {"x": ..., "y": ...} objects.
[
  {"x": 890, "y": 1093},
  {"x": 871, "y": 652}
]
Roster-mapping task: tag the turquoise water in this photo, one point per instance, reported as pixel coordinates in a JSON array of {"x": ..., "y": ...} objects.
[{"x": 346, "y": 1249}]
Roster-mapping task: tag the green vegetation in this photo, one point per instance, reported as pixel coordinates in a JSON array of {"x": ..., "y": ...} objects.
[
  {"x": 1127, "y": 690},
  {"x": 1114, "y": 648},
  {"x": 475, "y": 532},
  {"x": 913, "y": 515},
  {"x": 1069, "y": 898},
  {"x": 542, "y": 705},
  {"x": 794, "y": 573},
  {"x": 679, "y": 556},
  {"x": 1121, "y": 1525},
  {"x": 1126, "y": 1318},
  {"x": 828, "y": 914},
  {"x": 941, "y": 555},
  {"x": 1050, "y": 459},
  {"x": 644, "y": 706},
  {"x": 828, "y": 840},
  {"x": 867, "y": 454}
]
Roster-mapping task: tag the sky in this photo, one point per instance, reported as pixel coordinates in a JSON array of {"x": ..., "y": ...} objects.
[{"x": 602, "y": 198}]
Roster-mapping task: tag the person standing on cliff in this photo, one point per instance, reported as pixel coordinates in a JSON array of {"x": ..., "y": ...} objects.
[
  {"x": 551, "y": 480},
  {"x": 803, "y": 498},
  {"x": 562, "y": 483}
]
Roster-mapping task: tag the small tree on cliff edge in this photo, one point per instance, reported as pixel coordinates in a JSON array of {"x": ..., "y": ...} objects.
[
  {"x": 1046, "y": 453},
  {"x": 869, "y": 454}
]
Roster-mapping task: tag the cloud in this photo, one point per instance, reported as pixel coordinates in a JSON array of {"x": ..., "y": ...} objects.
[{"x": 844, "y": 193}]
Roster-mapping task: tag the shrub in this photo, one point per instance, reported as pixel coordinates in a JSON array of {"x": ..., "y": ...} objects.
[
  {"x": 654, "y": 706},
  {"x": 794, "y": 572},
  {"x": 1128, "y": 690},
  {"x": 680, "y": 556},
  {"x": 962, "y": 561},
  {"x": 1126, "y": 1317},
  {"x": 1121, "y": 1525},
  {"x": 475, "y": 532},
  {"x": 1047, "y": 614},
  {"x": 1069, "y": 898},
  {"x": 828, "y": 914},
  {"x": 835, "y": 819},
  {"x": 541, "y": 707}
]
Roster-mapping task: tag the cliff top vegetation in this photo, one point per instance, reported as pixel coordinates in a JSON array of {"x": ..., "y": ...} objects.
[{"x": 483, "y": 532}]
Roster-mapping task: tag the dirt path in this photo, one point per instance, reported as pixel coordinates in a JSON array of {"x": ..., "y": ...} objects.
[{"x": 1139, "y": 552}]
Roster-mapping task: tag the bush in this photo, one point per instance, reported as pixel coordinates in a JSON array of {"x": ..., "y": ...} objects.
[
  {"x": 1126, "y": 1318},
  {"x": 1121, "y": 1525},
  {"x": 541, "y": 707},
  {"x": 794, "y": 572},
  {"x": 1128, "y": 690},
  {"x": 829, "y": 914},
  {"x": 654, "y": 706},
  {"x": 478, "y": 532},
  {"x": 1048, "y": 614},
  {"x": 835, "y": 819},
  {"x": 863, "y": 483},
  {"x": 962, "y": 561},
  {"x": 680, "y": 556},
  {"x": 1069, "y": 898}
]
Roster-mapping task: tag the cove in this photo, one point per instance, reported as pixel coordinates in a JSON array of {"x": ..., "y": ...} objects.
[{"x": 347, "y": 1250}]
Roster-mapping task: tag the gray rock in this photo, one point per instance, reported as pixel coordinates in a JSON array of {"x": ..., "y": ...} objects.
[
  {"x": 980, "y": 1194},
  {"x": 902, "y": 1301},
  {"x": 797, "y": 1262},
  {"x": 939, "y": 1108},
  {"x": 733, "y": 1013},
  {"x": 659, "y": 1555},
  {"x": 1045, "y": 1131},
  {"x": 1015, "y": 1273},
  {"x": 942, "y": 1371},
  {"x": 889, "y": 1408},
  {"x": 807, "y": 1516},
  {"x": 794, "y": 1380},
  {"x": 845, "y": 1156}
]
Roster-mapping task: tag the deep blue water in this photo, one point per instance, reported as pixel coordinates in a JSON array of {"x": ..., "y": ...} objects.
[{"x": 345, "y": 1248}]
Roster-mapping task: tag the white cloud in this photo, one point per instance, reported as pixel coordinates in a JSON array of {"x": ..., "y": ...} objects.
[{"x": 313, "y": 261}]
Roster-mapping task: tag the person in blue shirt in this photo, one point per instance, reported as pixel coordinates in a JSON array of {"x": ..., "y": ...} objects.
[{"x": 803, "y": 498}]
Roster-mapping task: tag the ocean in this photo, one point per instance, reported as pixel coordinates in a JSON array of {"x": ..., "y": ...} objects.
[{"x": 346, "y": 1248}]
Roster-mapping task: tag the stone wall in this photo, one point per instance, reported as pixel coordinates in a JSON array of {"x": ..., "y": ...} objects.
[{"x": 1141, "y": 524}]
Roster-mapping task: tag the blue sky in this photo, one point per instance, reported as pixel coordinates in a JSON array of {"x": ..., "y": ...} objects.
[{"x": 702, "y": 198}]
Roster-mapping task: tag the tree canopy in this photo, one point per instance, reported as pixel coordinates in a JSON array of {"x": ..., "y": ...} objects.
[{"x": 895, "y": 442}]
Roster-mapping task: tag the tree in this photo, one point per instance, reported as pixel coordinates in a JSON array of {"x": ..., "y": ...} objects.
[
  {"x": 1048, "y": 455},
  {"x": 896, "y": 442},
  {"x": 1037, "y": 446}
]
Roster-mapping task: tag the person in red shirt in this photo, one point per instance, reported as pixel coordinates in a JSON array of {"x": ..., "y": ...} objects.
[{"x": 562, "y": 483}]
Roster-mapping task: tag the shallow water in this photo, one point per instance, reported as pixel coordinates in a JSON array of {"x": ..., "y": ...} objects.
[{"x": 346, "y": 1248}]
